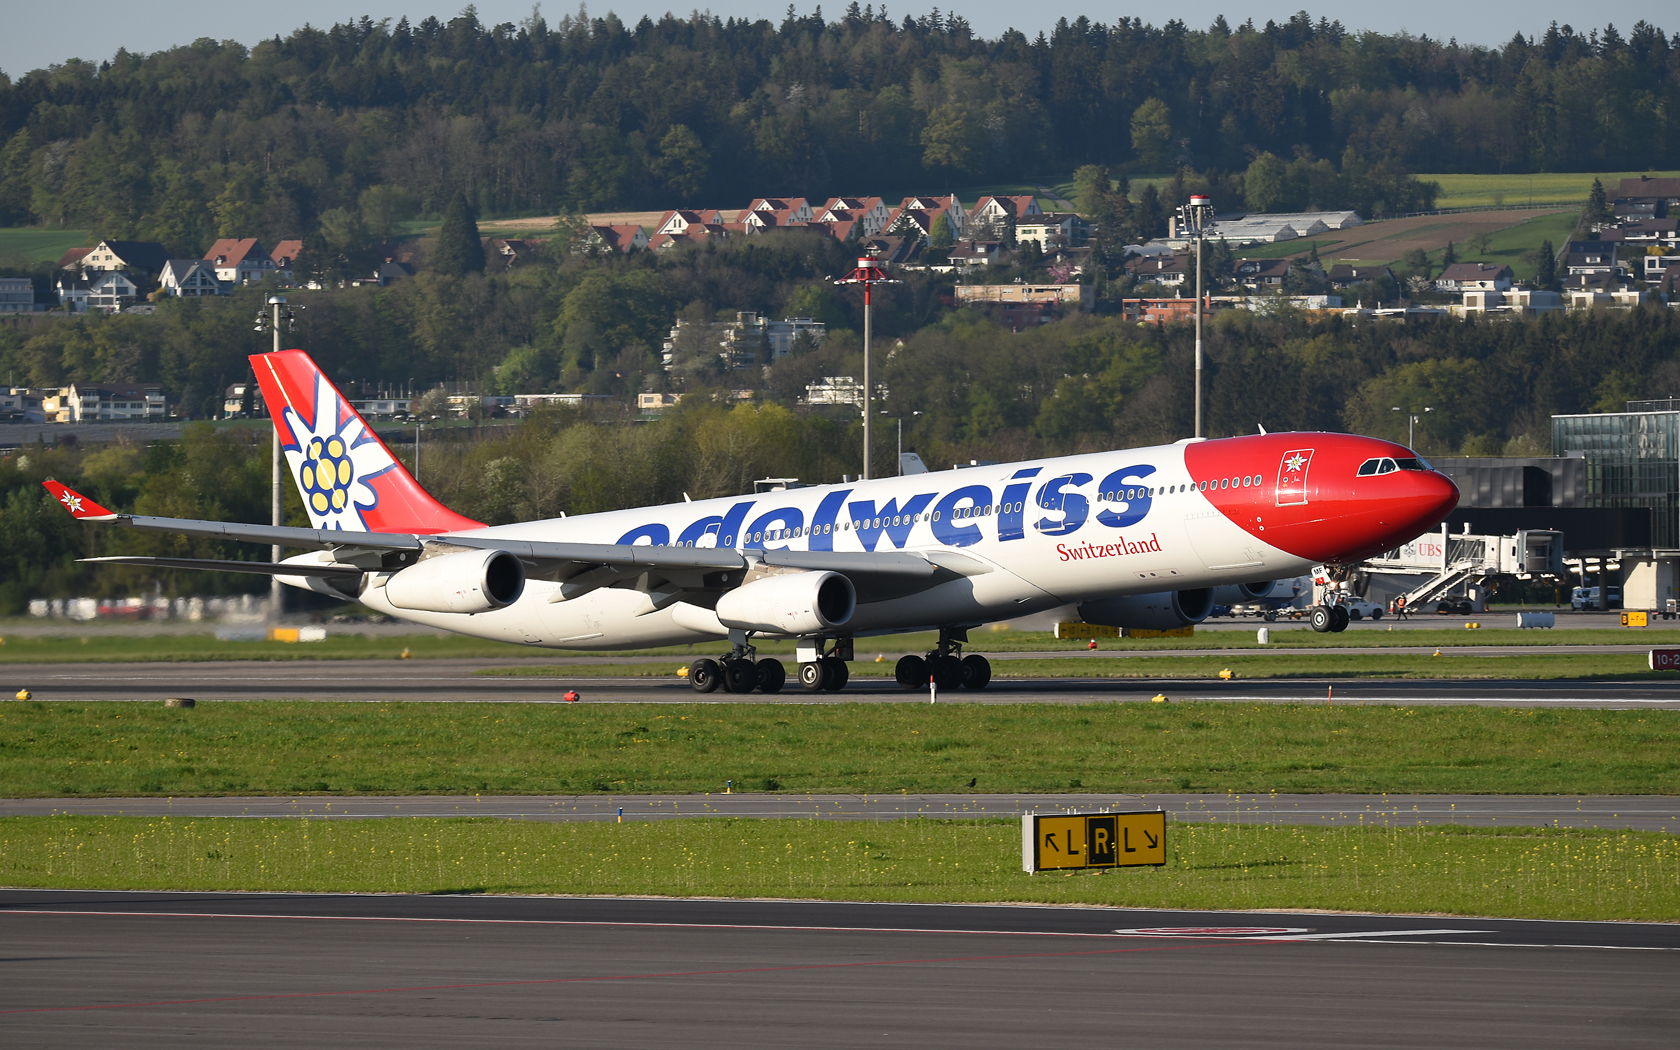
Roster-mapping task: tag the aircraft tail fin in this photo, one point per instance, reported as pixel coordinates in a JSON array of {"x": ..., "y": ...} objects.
[{"x": 348, "y": 478}]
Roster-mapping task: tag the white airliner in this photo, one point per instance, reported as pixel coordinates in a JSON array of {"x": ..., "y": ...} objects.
[{"x": 1136, "y": 538}]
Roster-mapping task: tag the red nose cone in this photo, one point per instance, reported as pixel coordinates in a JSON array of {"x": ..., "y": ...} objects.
[{"x": 1305, "y": 493}]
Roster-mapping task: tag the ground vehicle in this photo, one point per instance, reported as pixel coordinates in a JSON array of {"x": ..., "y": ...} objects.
[
  {"x": 1587, "y": 598},
  {"x": 944, "y": 551},
  {"x": 1360, "y": 609}
]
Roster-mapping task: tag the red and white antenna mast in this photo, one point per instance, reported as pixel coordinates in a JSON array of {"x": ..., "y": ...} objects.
[{"x": 869, "y": 272}]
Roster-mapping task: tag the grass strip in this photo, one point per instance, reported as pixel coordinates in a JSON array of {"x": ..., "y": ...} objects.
[
  {"x": 145, "y": 648},
  {"x": 1531, "y": 873},
  {"x": 299, "y": 747},
  {"x": 1527, "y": 666}
]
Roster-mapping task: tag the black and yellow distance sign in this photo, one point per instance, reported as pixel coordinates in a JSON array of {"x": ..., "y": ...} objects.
[{"x": 1062, "y": 841}]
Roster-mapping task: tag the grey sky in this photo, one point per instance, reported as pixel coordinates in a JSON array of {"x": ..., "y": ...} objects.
[{"x": 33, "y": 35}]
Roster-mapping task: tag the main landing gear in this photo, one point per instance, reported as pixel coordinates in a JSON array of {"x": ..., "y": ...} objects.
[
  {"x": 1327, "y": 618},
  {"x": 738, "y": 672},
  {"x": 823, "y": 664},
  {"x": 946, "y": 667}
]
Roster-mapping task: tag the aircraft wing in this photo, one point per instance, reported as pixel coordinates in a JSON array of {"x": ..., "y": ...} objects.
[{"x": 691, "y": 572}]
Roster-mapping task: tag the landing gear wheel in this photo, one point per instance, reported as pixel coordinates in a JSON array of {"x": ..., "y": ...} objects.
[
  {"x": 704, "y": 675},
  {"x": 976, "y": 672},
  {"x": 946, "y": 671},
  {"x": 1339, "y": 619},
  {"x": 911, "y": 673},
  {"x": 835, "y": 673},
  {"x": 811, "y": 677},
  {"x": 771, "y": 675},
  {"x": 740, "y": 676},
  {"x": 1322, "y": 619}
]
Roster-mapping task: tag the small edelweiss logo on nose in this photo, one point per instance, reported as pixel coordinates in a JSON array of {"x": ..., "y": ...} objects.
[{"x": 1294, "y": 462}]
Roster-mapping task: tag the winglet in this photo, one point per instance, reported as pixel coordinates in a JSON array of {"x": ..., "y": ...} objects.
[{"x": 79, "y": 506}]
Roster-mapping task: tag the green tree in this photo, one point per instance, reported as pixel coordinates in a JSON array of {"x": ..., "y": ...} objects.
[
  {"x": 954, "y": 141},
  {"x": 384, "y": 208},
  {"x": 235, "y": 208},
  {"x": 1449, "y": 256},
  {"x": 1263, "y": 183},
  {"x": 940, "y": 235},
  {"x": 1598, "y": 203},
  {"x": 1152, "y": 133},
  {"x": 682, "y": 163},
  {"x": 1545, "y": 266},
  {"x": 458, "y": 250}
]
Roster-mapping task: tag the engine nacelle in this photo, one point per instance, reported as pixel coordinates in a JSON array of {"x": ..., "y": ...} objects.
[
  {"x": 1165, "y": 611},
  {"x": 1242, "y": 593},
  {"x": 795, "y": 603},
  {"x": 462, "y": 582}
]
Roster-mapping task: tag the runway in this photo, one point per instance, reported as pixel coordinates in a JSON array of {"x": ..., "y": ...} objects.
[
  {"x": 155, "y": 969},
  {"x": 1637, "y": 812},
  {"x": 455, "y": 680}
]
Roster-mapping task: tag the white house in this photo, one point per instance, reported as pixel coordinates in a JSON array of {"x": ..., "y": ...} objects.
[
  {"x": 191, "y": 278},
  {"x": 240, "y": 260},
  {"x": 88, "y": 402},
  {"x": 17, "y": 296},
  {"x": 111, "y": 291}
]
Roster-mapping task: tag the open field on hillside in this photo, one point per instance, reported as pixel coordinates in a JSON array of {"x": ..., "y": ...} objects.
[
  {"x": 1479, "y": 191},
  {"x": 289, "y": 748},
  {"x": 1531, "y": 872},
  {"x": 345, "y": 644},
  {"x": 1512, "y": 234},
  {"x": 24, "y": 246}
]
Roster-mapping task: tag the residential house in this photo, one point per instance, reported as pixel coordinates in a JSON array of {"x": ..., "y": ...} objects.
[
  {"x": 22, "y": 404},
  {"x": 380, "y": 407},
  {"x": 870, "y": 213},
  {"x": 891, "y": 250},
  {"x": 653, "y": 404},
  {"x": 1589, "y": 258},
  {"x": 386, "y": 273},
  {"x": 970, "y": 255},
  {"x": 233, "y": 400},
  {"x": 1511, "y": 302},
  {"x": 284, "y": 255},
  {"x": 191, "y": 278},
  {"x": 146, "y": 257},
  {"x": 90, "y": 402},
  {"x": 72, "y": 259},
  {"x": 1169, "y": 270},
  {"x": 110, "y": 291},
  {"x": 240, "y": 260},
  {"x": 990, "y": 210},
  {"x": 17, "y": 296},
  {"x": 523, "y": 404},
  {"x": 620, "y": 239},
  {"x": 758, "y": 220},
  {"x": 1474, "y": 276},
  {"x": 1646, "y": 198},
  {"x": 1260, "y": 274},
  {"x": 1062, "y": 229},
  {"x": 842, "y": 230},
  {"x": 915, "y": 216},
  {"x": 73, "y": 293},
  {"x": 792, "y": 210},
  {"x": 692, "y": 234},
  {"x": 674, "y": 223},
  {"x": 1640, "y": 234},
  {"x": 749, "y": 339},
  {"x": 1052, "y": 294},
  {"x": 838, "y": 390},
  {"x": 1346, "y": 275},
  {"x": 1655, "y": 264},
  {"x": 1601, "y": 294}
]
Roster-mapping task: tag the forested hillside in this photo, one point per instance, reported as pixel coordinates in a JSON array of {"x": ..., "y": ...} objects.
[{"x": 365, "y": 124}]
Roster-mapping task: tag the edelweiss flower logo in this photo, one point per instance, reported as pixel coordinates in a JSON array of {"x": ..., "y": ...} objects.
[
  {"x": 72, "y": 502},
  {"x": 1295, "y": 462},
  {"x": 333, "y": 462}
]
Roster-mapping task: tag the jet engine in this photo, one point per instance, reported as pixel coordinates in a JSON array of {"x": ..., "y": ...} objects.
[
  {"x": 469, "y": 581},
  {"x": 1165, "y": 611},
  {"x": 796, "y": 603},
  {"x": 1243, "y": 593}
]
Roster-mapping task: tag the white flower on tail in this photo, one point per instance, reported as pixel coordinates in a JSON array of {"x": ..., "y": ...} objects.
[{"x": 333, "y": 462}]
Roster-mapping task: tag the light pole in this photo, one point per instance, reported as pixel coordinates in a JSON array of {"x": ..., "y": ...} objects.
[
  {"x": 869, "y": 272},
  {"x": 1195, "y": 217},
  {"x": 1412, "y": 418},
  {"x": 273, "y": 320}
]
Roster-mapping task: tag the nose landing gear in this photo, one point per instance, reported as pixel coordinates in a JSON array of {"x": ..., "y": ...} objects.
[{"x": 1329, "y": 618}]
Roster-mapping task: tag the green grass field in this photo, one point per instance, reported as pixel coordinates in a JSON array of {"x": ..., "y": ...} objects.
[
  {"x": 1478, "y": 191},
  {"x": 281, "y": 748},
  {"x": 342, "y": 644},
  {"x": 1508, "y": 247},
  {"x": 1534, "y": 873},
  {"x": 24, "y": 246}
]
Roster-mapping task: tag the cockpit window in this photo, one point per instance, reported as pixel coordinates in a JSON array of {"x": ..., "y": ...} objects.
[
  {"x": 1369, "y": 467},
  {"x": 1415, "y": 464},
  {"x": 1384, "y": 465}
]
